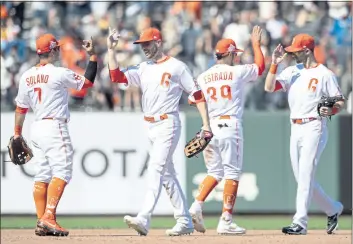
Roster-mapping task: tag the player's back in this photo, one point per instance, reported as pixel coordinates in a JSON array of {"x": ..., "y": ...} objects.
[
  {"x": 223, "y": 87},
  {"x": 42, "y": 87}
]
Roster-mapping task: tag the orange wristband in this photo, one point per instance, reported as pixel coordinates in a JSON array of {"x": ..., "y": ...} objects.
[
  {"x": 93, "y": 58},
  {"x": 273, "y": 69},
  {"x": 18, "y": 130}
]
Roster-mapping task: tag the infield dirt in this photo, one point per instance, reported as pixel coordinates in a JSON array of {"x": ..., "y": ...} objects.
[{"x": 120, "y": 236}]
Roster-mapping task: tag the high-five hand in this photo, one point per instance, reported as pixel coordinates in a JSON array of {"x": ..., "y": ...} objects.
[
  {"x": 113, "y": 38},
  {"x": 88, "y": 45},
  {"x": 278, "y": 54},
  {"x": 256, "y": 35}
]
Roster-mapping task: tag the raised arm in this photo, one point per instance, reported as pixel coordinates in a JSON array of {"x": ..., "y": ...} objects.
[
  {"x": 277, "y": 56},
  {"x": 124, "y": 77},
  {"x": 91, "y": 69},
  {"x": 256, "y": 45}
]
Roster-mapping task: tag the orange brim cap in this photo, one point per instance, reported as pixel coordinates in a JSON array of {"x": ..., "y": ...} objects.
[
  {"x": 141, "y": 40},
  {"x": 292, "y": 49}
]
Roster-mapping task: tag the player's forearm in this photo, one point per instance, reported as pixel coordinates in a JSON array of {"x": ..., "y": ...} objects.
[
  {"x": 112, "y": 62},
  {"x": 270, "y": 82},
  {"x": 116, "y": 75},
  {"x": 91, "y": 70},
  {"x": 20, "y": 115},
  {"x": 202, "y": 107},
  {"x": 259, "y": 57}
]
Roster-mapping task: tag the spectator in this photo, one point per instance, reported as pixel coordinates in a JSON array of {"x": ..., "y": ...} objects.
[{"x": 190, "y": 31}]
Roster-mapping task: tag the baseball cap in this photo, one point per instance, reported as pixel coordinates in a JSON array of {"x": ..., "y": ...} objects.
[
  {"x": 46, "y": 43},
  {"x": 301, "y": 41},
  {"x": 149, "y": 34},
  {"x": 227, "y": 45}
]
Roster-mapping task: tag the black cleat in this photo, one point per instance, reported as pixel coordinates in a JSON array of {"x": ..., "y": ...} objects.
[
  {"x": 332, "y": 223},
  {"x": 294, "y": 229}
]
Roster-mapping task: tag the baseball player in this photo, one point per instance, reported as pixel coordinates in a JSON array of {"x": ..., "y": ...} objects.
[
  {"x": 306, "y": 82},
  {"x": 44, "y": 88},
  {"x": 223, "y": 86},
  {"x": 162, "y": 80}
]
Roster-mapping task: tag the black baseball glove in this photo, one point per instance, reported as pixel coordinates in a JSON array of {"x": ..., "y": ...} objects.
[
  {"x": 328, "y": 102},
  {"x": 198, "y": 143},
  {"x": 20, "y": 153}
]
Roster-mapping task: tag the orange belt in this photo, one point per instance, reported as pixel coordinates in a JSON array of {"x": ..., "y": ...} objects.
[
  {"x": 53, "y": 119},
  {"x": 224, "y": 117},
  {"x": 153, "y": 119},
  {"x": 302, "y": 121}
]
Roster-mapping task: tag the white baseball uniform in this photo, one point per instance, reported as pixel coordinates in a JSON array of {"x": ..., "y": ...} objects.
[
  {"x": 309, "y": 133},
  {"x": 162, "y": 85},
  {"x": 45, "y": 89},
  {"x": 223, "y": 87}
]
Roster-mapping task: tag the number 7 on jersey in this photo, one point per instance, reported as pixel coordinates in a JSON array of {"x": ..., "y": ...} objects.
[{"x": 39, "y": 91}]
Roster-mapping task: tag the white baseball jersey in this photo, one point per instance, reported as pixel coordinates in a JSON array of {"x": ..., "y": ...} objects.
[
  {"x": 305, "y": 88},
  {"x": 45, "y": 89},
  {"x": 223, "y": 87},
  {"x": 161, "y": 84}
]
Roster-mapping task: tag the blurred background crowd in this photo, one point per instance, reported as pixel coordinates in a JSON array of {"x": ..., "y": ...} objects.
[{"x": 190, "y": 31}]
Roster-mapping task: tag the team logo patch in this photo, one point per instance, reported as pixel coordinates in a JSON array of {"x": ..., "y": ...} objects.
[
  {"x": 77, "y": 77},
  {"x": 52, "y": 45},
  {"x": 231, "y": 48}
]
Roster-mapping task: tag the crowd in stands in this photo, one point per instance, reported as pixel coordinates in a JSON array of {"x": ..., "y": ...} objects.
[{"x": 190, "y": 31}]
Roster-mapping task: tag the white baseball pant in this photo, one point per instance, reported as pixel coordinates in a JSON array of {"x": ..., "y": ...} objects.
[
  {"x": 224, "y": 154},
  {"x": 164, "y": 136},
  {"x": 52, "y": 150},
  {"x": 307, "y": 142}
]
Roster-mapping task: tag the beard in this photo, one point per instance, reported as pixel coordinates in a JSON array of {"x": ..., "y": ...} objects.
[
  {"x": 150, "y": 53},
  {"x": 299, "y": 58}
]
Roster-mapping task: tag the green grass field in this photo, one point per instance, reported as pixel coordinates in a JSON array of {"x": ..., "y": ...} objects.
[{"x": 116, "y": 222}]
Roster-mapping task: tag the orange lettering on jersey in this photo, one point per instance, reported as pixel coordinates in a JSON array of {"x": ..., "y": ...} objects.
[
  {"x": 32, "y": 80},
  {"x": 221, "y": 74},
  {"x": 215, "y": 77},
  {"x": 44, "y": 78},
  {"x": 311, "y": 85},
  {"x": 218, "y": 76},
  {"x": 37, "y": 79}
]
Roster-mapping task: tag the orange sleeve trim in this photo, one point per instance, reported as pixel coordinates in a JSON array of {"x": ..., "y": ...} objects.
[
  {"x": 21, "y": 110},
  {"x": 18, "y": 130},
  {"x": 117, "y": 76},
  {"x": 273, "y": 69},
  {"x": 259, "y": 58},
  {"x": 199, "y": 97},
  {"x": 93, "y": 58},
  {"x": 87, "y": 84},
  {"x": 278, "y": 86},
  {"x": 335, "y": 110}
]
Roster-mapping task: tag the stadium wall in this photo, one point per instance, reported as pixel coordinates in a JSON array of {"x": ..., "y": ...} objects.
[{"x": 111, "y": 155}]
